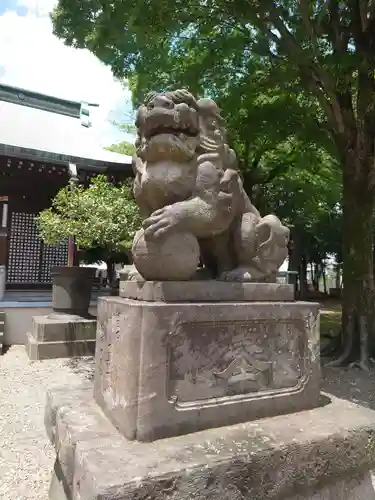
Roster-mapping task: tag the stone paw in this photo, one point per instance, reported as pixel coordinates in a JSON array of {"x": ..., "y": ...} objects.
[
  {"x": 238, "y": 274},
  {"x": 130, "y": 273},
  {"x": 135, "y": 276}
]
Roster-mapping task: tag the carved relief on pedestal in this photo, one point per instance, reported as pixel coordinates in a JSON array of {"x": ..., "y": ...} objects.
[
  {"x": 240, "y": 359},
  {"x": 114, "y": 324},
  {"x": 109, "y": 354},
  {"x": 243, "y": 370}
]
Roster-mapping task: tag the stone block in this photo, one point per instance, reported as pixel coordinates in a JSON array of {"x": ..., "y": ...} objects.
[
  {"x": 63, "y": 327},
  {"x": 2, "y": 331},
  {"x": 321, "y": 454},
  {"x": 205, "y": 291},
  {"x": 164, "y": 369},
  {"x": 61, "y": 336}
]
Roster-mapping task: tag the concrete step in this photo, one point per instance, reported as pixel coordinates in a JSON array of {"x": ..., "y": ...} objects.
[
  {"x": 38, "y": 351},
  {"x": 2, "y": 330}
]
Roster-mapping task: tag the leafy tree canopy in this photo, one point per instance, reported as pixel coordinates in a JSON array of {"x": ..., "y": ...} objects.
[
  {"x": 103, "y": 215},
  {"x": 307, "y": 196},
  {"x": 275, "y": 128},
  {"x": 323, "y": 51},
  {"x": 325, "y": 46},
  {"x": 124, "y": 148},
  {"x": 209, "y": 48}
]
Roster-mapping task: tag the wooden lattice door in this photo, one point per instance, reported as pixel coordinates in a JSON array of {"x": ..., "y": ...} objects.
[{"x": 29, "y": 260}]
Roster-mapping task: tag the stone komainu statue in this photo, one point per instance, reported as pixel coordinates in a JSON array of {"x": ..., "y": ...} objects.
[{"x": 190, "y": 192}]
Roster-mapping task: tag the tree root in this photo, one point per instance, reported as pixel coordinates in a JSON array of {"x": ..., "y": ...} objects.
[
  {"x": 344, "y": 354},
  {"x": 347, "y": 357},
  {"x": 366, "y": 366},
  {"x": 332, "y": 348}
]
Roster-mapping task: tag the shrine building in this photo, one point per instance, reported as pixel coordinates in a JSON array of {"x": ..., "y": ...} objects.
[{"x": 40, "y": 137}]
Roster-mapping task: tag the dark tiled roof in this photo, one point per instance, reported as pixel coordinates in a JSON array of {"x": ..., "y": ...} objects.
[
  {"x": 53, "y": 135},
  {"x": 36, "y": 100}
]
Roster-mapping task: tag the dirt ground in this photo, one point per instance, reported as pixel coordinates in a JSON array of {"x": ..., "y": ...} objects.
[
  {"x": 351, "y": 384},
  {"x": 26, "y": 456}
]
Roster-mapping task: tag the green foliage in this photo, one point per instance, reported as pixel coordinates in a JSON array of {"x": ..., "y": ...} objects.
[
  {"x": 124, "y": 148},
  {"x": 226, "y": 51},
  {"x": 285, "y": 154},
  {"x": 302, "y": 72},
  {"x": 307, "y": 196},
  {"x": 325, "y": 48},
  {"x": 215, "y": 49},
  {"x": 96, "y": 255},
  {"x": 103, "y": 215}
]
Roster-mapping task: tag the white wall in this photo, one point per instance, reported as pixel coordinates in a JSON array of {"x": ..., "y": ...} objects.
[{"x": 18, "y": 321}]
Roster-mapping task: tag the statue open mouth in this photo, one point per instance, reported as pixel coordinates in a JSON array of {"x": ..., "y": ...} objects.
[
  {"x": 178, "y": 132},
  {"x": 187, "y": 180},
  {"x": 169, "y": 134},
  {"x": 173, "y": 122}
]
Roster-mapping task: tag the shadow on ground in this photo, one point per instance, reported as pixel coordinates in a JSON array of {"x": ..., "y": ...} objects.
[
  {"x": 351, "y": 384},
  {"x": 83, "y": 366}
]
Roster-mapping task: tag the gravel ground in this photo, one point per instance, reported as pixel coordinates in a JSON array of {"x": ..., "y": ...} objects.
[
  {"x": 351, "y": 384},
  {"x": 26, "y": 456}
]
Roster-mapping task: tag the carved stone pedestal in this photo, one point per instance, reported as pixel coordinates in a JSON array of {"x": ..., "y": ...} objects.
[
  {"x": 61, "y": 336},
  {"x": 321, "y": 454},
  {"x": 195, "y": 378},
  {"x": 167, "y": 365}
]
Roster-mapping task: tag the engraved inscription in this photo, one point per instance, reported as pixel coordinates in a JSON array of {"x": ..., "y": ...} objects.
[
  {"x": 109, "y": 330},
  {"x": 210, "y": 360},
  {"x": 242, "y": 370}
]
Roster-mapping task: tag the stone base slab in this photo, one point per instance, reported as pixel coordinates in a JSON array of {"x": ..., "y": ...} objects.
[
  {"x": 167, "y": 369},
  {"x": 37, "y": 351},
  {"x": 321, "y": 454},
  {"x": 205, "y": 291},
  {"x": 2, "y": 331},
  {"x": 61, "y": 336}
]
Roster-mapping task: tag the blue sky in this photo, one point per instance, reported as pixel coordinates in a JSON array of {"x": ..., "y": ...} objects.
[
  {"x": 5, "y": 5},
  {"x": 32, "y": 58}
]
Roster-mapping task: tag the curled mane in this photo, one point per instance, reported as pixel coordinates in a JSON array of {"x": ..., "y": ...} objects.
[
  {"x": 177, "y": 96},
  {"x": 213, "y": 145},
  {"x": 212, "y": 136}
]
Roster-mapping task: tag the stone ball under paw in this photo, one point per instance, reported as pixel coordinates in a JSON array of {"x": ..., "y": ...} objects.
[{"x": 174, "y": 257}]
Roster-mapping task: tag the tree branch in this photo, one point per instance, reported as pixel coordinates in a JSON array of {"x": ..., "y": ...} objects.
[
  {"x": 275, "y": 172},
  {"x": 323, "y": 85},
  {"x": 366, "y": 13},
  {"x": 306, "y": 16},
  {"x": 370, "y": 13},
  {"x": 356, "y": 23},
  {"x": 339, "y": 38},
  {"x": 246, "y": 153}
]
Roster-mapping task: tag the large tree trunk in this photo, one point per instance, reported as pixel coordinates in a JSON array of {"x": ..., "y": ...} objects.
[
  {"x": 358, "y": 292},
  {"x": 324, "y": 276},
  {"x": 110, "y": 271},
  {"x": 304, "y": 289},
  {"x": 314, "y": 274},
  {"x": 338, "y": 275},
  {"x": 294, "y": 261}
]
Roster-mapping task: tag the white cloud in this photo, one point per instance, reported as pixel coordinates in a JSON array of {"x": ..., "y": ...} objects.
[
  {"x": 34, "y": 59},
  {"x": 39, "y": 7}
]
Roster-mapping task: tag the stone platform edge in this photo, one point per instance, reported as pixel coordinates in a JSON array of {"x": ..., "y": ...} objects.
[
  {"x": 38, "y": 351},
  {"x": 205, "y": 291},
  {"x": 288, "y": 456},
  {"x": 61, "y": 337}
]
